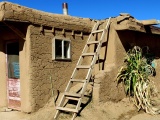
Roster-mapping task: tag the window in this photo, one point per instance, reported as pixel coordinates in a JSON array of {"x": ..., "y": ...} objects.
[{"x": 61, "y": 49}]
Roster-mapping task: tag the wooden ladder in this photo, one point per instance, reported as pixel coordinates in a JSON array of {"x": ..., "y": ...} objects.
[{"x": 92, "y": 40}]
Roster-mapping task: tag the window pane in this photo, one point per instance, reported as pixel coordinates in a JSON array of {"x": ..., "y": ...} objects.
[
  {"x": 66, "y": 49},
  {"x": 58, "y": 48},
  {"x": 13, "y": 60}
]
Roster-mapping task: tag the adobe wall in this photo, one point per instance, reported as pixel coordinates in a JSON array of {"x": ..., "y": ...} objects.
[
  {"x": 43, "y": 67},
  {"x": 3, "y": 80},
  {"x": 25, "y": 71}
]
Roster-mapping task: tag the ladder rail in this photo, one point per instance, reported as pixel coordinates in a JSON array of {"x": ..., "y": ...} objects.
[
  {"x": 68, "y": 86},
  {"x": 95, "y": 27},
  {"x": 94, "y": 58},
  {"x": 108, "y": 23},
  {"x": 80, "y": 58}
]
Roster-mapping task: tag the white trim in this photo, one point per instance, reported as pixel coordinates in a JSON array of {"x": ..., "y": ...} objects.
[
  {"x": 62, "y": 49},
  {"x": 54, "y": 49}
]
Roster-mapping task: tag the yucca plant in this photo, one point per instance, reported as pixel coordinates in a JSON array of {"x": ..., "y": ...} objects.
[{"x": 135, "y": 77}]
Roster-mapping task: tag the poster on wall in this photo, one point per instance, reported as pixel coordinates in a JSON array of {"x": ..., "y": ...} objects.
[{"x": 14, "y": 93}]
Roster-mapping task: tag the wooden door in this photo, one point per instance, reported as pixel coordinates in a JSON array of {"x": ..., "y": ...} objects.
[{"x": 13, "y": 73}]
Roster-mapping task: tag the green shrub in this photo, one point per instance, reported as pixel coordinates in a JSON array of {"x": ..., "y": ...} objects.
[{"x": 135, "y": 77}]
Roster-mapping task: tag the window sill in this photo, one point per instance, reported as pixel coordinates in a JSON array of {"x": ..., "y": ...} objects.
[{"x": 67, "y": 59}]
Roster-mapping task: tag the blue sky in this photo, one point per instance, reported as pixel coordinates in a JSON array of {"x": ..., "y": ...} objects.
[{"x": 98, "y": 9}]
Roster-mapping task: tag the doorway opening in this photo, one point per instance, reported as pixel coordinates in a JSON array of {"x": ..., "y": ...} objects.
[{"x": 13, "y": 75}]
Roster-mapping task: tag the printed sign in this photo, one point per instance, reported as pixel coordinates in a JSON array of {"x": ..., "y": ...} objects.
[{"x": 14, "y": 89}]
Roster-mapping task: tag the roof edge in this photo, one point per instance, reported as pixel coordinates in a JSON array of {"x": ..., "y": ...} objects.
[
  {"x": 127, "y": 22},
  {"x": 15, "y": 12},
  {"x": 2, "y": 6}
]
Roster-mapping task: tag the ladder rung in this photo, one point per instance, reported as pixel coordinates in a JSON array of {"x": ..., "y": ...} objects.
[
  {"x": 92, "y": 42},
  {"x": 83, "y": 66},
  {"x": 72, "y": 94},
  {"x": 73, "y": 98},
  {"x": 67, "y": 109},
  {"x": 97, "y": 31},
  {"x": 88, "y": 54},
  {"x": 78, "y": 80}
]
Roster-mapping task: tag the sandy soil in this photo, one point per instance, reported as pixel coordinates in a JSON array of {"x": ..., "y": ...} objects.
[{"x": 123, "y": 110}]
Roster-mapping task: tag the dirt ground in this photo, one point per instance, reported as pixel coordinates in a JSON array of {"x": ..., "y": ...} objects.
[{"x": 123, "y": 110}]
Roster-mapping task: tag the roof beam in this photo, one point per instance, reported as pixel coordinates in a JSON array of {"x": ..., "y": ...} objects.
[
  {"x": 15, "y": 30},
  {"x": 150, "y": 22}
]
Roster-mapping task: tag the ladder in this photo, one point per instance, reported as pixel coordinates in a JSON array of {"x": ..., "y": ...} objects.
[{"x": 92, "y": 40}]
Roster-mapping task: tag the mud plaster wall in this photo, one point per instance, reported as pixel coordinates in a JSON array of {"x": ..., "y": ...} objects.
[
  {"x": 25, "y": 71},
  {"x": 114, "y": 58},
  {"x": 3, "y": 80},
  {"x": 130, "y": 38},
  {"x": 44, "y": 67}
]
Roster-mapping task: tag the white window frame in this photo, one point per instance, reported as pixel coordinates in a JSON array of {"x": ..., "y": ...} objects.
[{"x": 54, "y": 49}]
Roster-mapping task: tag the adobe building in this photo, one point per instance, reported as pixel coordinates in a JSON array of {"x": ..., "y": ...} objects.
[{"x": 37, "y": 48}]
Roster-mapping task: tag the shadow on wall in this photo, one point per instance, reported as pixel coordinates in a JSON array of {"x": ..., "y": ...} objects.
[
  {"x": 132, "y": 38},
  {"x": 152, "y": 41},
  {"x": 101, "y": 60}
]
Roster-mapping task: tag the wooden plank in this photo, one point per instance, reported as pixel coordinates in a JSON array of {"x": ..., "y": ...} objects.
[
  {"x": 74, "y": 73},
  {"x": 108, "y": 23},
  {"x": 67, "y": 109},
  {"x": 72, "y": 94},
  {"x": 98, "y": 31},
  {"x": 80, "y": 60},
  {"x": 77, "y": 108},
  {"x": 149, "y": 22},
  {"x": 15, "y": 30},
  {"x": 62, "y": 101},
  {"x": 83, "y": 66},
  {"x": 89, "y": 75},
  {"x": 68, "y": 86},
  {"x": 72, "y": 98},
  {"x": 92, "y": 42},
  {"x": 88, "y": 54},
  {"x": 78, "y": 80},
  {"x": 90, "y": 36},
  {"x": 57, "y": 114},
  {"x": 95, "y": 26},
  {"x": 74, "y": 116}
]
